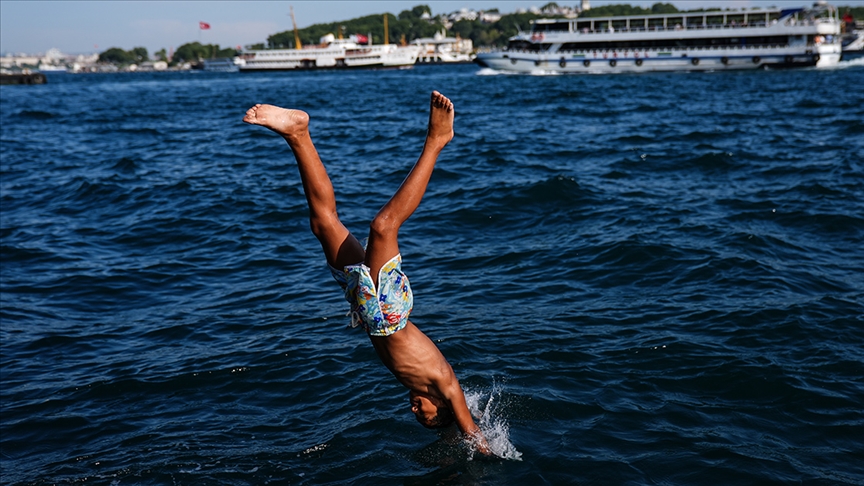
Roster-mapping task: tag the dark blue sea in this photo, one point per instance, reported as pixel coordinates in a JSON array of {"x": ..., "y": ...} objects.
[{"x": 639, "y": 279}]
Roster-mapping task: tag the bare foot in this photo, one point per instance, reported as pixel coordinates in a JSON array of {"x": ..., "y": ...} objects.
[
  {"x": 441, "y": 113},
  {"x": 288, "y": 123}
]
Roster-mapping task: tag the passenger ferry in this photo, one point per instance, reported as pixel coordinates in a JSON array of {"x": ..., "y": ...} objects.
[
  {"x": 332, "y": 53},
  {"x": 694, "y": 41}
]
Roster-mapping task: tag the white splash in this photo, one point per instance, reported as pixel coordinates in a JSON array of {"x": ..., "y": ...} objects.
[
  {"x": 858, "y": 61},
  {"x": 545, "y": 72},
  {"x": 488, "y": 72},
  {"x": 844, "y": 64},
  {"x": 484, "y": 406}
]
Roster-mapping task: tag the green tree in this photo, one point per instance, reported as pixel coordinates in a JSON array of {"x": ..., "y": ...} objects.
[
  {"x": 415, "y": 13},
  {"x": 195, "y": 51},
  {"x": 616, "y": 10},
  {"x": 116, "y": 55},
  {"x": 410, "y": 25},
  {"x": 510, "y": 25},
  {"x": 227, "y": 52},
  {"x": 663, "y": 8},
  {"x": 465, "y": 28},
  {"x": 190, "y": 52},
  {"x": 161, "y": 55},
  {"x": 856, "y": 12},
  {"x": 139, "y": 54}
]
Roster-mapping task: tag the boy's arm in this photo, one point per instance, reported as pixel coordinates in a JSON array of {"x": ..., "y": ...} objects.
[{"x": 455, "y": 398}]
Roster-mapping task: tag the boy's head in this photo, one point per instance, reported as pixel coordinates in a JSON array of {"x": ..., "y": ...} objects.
[{"x": 430, "y": 411}]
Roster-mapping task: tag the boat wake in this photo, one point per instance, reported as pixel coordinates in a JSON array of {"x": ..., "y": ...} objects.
[
  {"x": 489, "y": 72},
  {"x": 544, "y": 72},
  {"x": 484, "y": 405},
  {"x": 858, "y": 61},
  {"x": 534, "y": 72}
]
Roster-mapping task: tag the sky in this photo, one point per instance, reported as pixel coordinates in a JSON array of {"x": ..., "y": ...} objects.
[{"x": 82, "y": 27}]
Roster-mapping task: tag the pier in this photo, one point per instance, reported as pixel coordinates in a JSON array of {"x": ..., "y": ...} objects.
[{"x": 31, "y": 78}]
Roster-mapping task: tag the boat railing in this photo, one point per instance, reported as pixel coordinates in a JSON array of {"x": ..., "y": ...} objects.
[
  {"x": 674, "y": 28},
  {"x": 679, "y": 27},
  {"x": 647, "y": 49}
]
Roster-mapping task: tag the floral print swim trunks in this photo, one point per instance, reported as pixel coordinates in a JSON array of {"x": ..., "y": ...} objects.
[{"x": 381, "y": 313}]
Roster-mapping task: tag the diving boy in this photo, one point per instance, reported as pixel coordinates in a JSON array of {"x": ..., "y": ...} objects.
[{"x": 372, "y": 279}]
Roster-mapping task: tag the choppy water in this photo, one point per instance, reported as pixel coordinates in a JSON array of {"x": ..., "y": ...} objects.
[{"x": 639, "y": 279}]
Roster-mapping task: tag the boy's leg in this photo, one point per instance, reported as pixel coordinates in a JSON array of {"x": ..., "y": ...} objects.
[
  {"x": 340, "y": 247},
  {"x": 383, "y": 242}
]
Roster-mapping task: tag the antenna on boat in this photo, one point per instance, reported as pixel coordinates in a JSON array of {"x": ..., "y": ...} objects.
[{"x": 296, "y": 34}]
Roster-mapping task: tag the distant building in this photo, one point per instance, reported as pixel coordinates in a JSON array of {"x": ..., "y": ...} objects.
[
  {"x": 19, "y": 60},
  {"x": 489, "y": 17},
  {"x": 586, "y": 5},
  {"x": 52, "y": 60},
  {"x": 463, "y": 14}
]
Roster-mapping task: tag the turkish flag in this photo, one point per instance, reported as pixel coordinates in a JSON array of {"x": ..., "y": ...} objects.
[{"x": 203, "y": 25}]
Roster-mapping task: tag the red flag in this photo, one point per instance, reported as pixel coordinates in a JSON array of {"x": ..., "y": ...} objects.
[
  {"x": 361, "y": 39},
  {"x": 203, "y": 25}
]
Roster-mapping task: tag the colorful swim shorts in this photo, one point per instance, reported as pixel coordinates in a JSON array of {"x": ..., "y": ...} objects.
[{"x": 381, "y": 313}]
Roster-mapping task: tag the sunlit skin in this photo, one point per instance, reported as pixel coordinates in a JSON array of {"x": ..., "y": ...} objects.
[
  {"x": 408, "y": 353},
  {"x": 425, "y": 408}
]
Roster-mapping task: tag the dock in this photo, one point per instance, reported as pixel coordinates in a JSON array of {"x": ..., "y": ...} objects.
[{"x": 31, "y": 78}]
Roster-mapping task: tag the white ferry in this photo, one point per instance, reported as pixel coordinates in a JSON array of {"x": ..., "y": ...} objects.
[
  {"x": 332, "y": 53},
  {"x": 441, "y": 49},
  {"x": 683, "y": 41}
]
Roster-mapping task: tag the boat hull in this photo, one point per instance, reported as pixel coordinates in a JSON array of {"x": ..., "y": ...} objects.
[
  {"x": 324, "y": 68},
  {"x": 647, "y": 61}
]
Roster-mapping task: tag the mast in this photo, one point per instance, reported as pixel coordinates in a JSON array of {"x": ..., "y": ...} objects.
[
  {"x": 297, "y": 44},
  {"x": 386, "y": 31}
]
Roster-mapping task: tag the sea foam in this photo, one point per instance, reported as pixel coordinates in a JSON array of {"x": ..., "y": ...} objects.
[{"x": 485, "y": 406}]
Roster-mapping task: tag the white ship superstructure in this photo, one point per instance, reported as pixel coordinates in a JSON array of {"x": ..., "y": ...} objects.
[
  {"x": 332, "y": 53},
  {"x": 694, "y": 41}
]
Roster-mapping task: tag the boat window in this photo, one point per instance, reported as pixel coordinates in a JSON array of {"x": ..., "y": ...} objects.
[
  {"x": 619, "y": 25},
  {"x": 735, "y": 19},
  {"x": 637, "y": 24},
  {"x": 665, "y": 44},
  {"x": 654, "y": 24},
  {"x": 523, "y": 45},
  {"x": 583, "y": 25},
  {"x": 601, "y": 25},
  {"x": 552, "y": 27},
  {"x": 675, "y": 23},
  {"x": 772, "y": 16},
  {"x": 693, "y": 22},
  {"x": 714, "y": 20}
]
